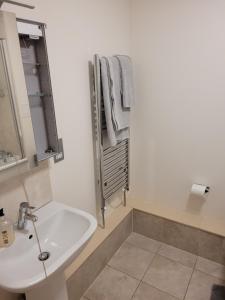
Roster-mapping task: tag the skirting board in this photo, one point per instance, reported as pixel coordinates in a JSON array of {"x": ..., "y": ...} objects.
[{"x": 194, "y": 240}]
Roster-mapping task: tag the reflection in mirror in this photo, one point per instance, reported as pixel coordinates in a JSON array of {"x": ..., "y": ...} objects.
[{"x": 10, "y": 143}]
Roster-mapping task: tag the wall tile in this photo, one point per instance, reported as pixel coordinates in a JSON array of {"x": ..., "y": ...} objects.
[
  {"x": 148, "y": 225},
  {"x": 38, "y": 186},
  {"x": 181, "y": 236},
  {"x": 211, "y": 246}
]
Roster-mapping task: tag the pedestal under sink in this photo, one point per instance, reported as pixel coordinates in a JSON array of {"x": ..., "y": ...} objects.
[{"x": 63, "y": 232}]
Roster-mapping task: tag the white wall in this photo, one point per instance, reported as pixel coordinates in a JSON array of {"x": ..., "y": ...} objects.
[
  {"x": 76, "y": 30},
  {"x": 178, "y": 48},
  {"x": 179, "y": 120},
  {"x": 179, "y": 132}
]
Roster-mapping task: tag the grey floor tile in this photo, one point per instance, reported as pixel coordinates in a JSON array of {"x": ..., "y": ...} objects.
[
  {"x": 200, "y": 287},
  {"x": 145, "y": 292},
  {"x": 168, "y": 276},
  {"x": 186, "y": 258},
  {"x": 112, "y": 285},
  {"x": 143, "y": 242},
  {"x": 210, "y": 267},
  {"x": 131, "y": 260}
]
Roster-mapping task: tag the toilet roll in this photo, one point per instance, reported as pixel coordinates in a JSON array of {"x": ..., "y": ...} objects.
[{"x": 199, "y": 189}]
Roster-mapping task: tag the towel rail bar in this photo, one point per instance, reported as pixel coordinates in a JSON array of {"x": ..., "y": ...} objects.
[{"x": 114, "y": 172}]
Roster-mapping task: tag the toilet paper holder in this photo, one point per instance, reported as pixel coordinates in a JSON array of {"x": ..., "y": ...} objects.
[
  {"x": 200, "y": 189},
  {"x": 207, "y": 189}
]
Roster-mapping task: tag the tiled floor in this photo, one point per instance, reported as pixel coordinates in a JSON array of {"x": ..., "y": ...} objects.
[{"x": 145, "y": 269}]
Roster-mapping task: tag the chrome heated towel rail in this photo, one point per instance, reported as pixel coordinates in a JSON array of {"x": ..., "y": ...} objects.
[{"x": 111, "y": 163}]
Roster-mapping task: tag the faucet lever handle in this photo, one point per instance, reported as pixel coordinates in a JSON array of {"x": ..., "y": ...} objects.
[{"x": 26, "y": 205}]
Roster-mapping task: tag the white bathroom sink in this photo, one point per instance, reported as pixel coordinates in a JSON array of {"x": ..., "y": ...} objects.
[{"x": 63, "y": 231}]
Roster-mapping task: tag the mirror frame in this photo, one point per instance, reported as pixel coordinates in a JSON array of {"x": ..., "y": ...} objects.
[
  {"x": 9, "y": 33},
  {"x": 12, "y": 101}
]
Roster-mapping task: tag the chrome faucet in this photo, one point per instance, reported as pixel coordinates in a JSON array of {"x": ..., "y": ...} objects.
[{"x": 24, "y": 215}]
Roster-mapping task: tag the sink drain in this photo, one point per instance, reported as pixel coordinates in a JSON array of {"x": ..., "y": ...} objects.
[{"x": 44, "y": 256}]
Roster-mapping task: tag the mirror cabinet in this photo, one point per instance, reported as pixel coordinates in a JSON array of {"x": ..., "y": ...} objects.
[{"x": 28, "y": 131}]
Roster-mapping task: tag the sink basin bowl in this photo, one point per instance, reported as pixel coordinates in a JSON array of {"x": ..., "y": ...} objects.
[{"x": 63, "y": 231}]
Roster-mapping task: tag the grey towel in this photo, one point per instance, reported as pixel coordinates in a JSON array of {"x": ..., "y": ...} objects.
[
  {"x": 113, "y": 135},
  {"x": 120, "y": 115},
  {"x": 127, "y": 80}
]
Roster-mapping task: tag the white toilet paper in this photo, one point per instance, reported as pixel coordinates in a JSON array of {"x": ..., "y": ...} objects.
[{"x": 199, "y": 189}]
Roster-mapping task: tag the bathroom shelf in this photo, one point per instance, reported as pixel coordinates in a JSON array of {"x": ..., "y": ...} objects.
[
  {"x": 44, "y": 156},
  {"x": 37, "y": 95},
  {"x": 32, "y": 64},
  {"x": 13, "y": 164},
  {"x": 39, "y": 90}
]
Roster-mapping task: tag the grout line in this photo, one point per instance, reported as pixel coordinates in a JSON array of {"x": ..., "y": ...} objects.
[
  {"x": 149, "y": 266},
  {"x": 176, "y": 261},
  {"x": 154, "y": 254},
  {"x": 135, "y": 246},
  {"x": 152, "y": 286},
  {"x": 171, "y": 261},
  {"x": 132, "y": 220},
  {"x": 132, "y": 297},
  {"x": 141, "y": 281},
  {"x": 114, "y": 268},
  {"x": 142, "y": 248},
  {"x": 160, "y": 243},
  {"x": 194, "y": 268},
  {"x": 85, "y": 297},
  {"x": 179, "y": 262},
  {"x": 208, "y": 274},
  {"x": 160, "y": 247}
]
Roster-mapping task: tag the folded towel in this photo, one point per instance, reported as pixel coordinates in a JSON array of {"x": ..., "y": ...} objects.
[
  {"x": 127, "y": 80},
  {"x": 120, "y": 115},
  {"x": 113, "y": 135}
]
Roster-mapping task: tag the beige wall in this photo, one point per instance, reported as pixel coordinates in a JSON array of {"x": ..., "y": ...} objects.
[
  {"x": 178, "y": 50},
  {"x": 178, "y": 127},
  {"x": 75, "y": 31},
  {"x": 179, "y": 132}
]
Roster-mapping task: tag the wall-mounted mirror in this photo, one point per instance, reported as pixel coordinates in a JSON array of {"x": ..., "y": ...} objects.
[{"x": 11, "y": 150}]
